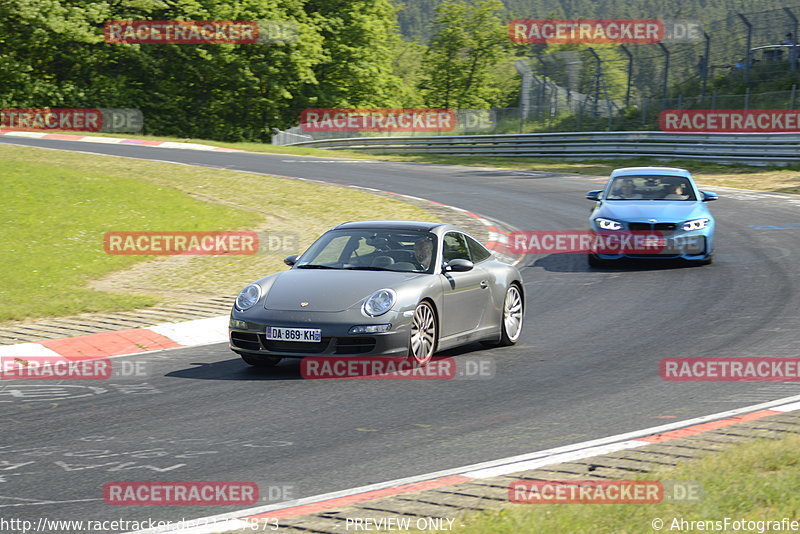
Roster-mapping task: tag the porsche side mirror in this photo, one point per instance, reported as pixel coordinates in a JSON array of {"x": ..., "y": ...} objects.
[
  {"x": 458, "y": 266},
  {"x": 594, "y": 195},
  {"x": 291, "y": 260},
  {"x": 708, "y": 196}
]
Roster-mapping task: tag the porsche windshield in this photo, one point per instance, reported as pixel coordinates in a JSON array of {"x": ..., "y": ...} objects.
[
  {"x": 374, "y": 250},
  {"x": 651, "y": 188}
]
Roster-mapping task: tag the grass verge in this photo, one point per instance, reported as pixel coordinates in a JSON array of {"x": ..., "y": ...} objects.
[
  {"x": 768, "y": 178},
  {"x": 58, "y": 205},
  {"x": 754, "y": 481}
]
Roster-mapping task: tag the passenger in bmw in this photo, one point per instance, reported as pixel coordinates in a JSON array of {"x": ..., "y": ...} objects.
[{"x": 677, "y": 192}]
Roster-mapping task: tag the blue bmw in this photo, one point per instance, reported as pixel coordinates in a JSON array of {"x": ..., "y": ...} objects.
[{"x": 663, "y": 200}]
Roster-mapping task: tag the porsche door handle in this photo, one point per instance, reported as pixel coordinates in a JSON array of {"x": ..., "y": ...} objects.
[{"x": 484, "y": 284}]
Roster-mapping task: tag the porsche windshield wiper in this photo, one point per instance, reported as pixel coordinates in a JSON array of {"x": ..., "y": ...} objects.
[
  {"x": 367, "y": 268},
  {"x": 314, "y": 266}
]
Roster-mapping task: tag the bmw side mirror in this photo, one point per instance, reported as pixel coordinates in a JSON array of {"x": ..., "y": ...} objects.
[
  {"x": 458, "y": 266},
  {"x": 594, "y": 195},
  {"x": 708, "y": 196},
  {"x": 291, "y": 260}
]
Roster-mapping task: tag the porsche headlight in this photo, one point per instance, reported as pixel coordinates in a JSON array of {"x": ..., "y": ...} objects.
[
  {"x": 607, "y": 224},
  {"x": 696, "y": 224},
  {"x": 380, "y": 302},
  {"x": 248, "y": 297}
]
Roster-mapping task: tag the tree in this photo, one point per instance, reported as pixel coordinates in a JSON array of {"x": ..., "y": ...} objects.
[
  {"x": 360, "y": 40},
  {"x": 469, "y": 40}
]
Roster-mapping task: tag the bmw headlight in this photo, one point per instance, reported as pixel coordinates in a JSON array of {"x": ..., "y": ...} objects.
[
  {"x": 696, "y": 224},
  {"x": 248, "y": 297},
  {"x": 380, "y": 302},
  {"x": 607, "y": 224}
]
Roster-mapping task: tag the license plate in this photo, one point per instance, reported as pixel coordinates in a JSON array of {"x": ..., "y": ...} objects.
[
  {"x": 656, "y": 242},
  {"x": 304, "y": 335}
]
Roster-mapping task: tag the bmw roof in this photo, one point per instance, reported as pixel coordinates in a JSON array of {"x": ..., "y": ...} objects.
[{"x": 672, "y": 171}]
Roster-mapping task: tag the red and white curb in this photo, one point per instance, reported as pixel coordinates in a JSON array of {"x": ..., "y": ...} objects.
[
  {"x": 127, "y": 342},
  {"x": 116, "y": 141},
  {"x": 244, "y": 519}
]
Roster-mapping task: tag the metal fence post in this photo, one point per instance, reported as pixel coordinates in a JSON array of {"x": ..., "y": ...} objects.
[
  {"x": 597, "y": 73},
  {"x": 794, "y": 96},
  {"x": 749, "y": 43},
  {"x": 525, "y": 86},
  {"x": 746, "y": 98},
  {"x": 793, "y": 50},
  {"x": 630, "y": 74},
  {"x": 665, "y": 87},
  {"x": 643, "y": 109},
  {"x": 707, "y": 57}
]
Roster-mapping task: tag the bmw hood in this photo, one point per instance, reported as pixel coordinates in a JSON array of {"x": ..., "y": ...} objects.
[
  {"x": 328, "y": 290},
  {"x": 644, "y": 210}
]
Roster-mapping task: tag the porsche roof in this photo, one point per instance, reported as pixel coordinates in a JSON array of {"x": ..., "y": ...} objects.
[{"x": 391, "y": 225}]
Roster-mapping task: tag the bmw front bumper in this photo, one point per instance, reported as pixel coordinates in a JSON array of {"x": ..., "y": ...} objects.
[{"x": 692, "y": 246}]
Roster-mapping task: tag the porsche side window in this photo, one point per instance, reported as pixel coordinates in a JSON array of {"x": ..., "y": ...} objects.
[
  {"x": 454, "y": 247},
  {"x": 476, "y": 250}
]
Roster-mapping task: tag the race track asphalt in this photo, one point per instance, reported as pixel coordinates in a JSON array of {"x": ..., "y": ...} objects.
[{"x": 587, "y": 365}]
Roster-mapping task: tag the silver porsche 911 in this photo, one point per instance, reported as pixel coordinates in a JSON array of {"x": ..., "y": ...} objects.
[{"x": 387, "y": 288}]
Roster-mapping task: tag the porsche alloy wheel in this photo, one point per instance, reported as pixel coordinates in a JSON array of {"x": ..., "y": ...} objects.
[
  {"x": 512, "y": 316},
  {"x": 423, "y": 334}
]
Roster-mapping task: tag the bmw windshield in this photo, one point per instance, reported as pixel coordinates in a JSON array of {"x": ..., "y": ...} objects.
[{"x": 632, "y": 187}]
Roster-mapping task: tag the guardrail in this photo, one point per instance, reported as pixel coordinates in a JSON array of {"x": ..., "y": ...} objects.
[{"x": 749, "y": 148}]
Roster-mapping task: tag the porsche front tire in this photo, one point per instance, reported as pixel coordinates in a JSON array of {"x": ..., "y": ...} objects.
[{"x": 424, "y": 334}]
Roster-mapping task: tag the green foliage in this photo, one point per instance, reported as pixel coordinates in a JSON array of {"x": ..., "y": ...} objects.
[
  {"x": 53, "y": 55},
  {"x": 470, "y": 39}
]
